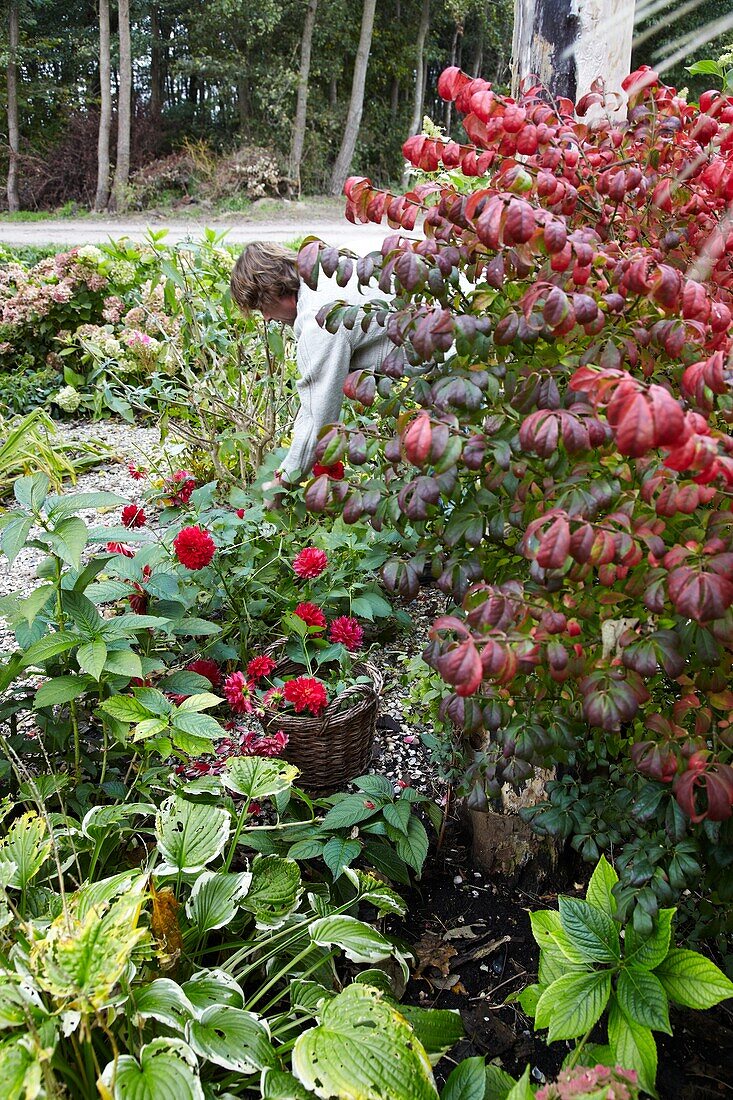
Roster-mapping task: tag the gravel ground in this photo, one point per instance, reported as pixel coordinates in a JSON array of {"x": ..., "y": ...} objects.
[{"x": 399, "y": 752}]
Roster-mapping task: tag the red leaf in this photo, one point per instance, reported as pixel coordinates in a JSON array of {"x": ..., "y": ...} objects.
[
  {"x": 554, "y": 545},
  {"x": 520, "y": 222},
  {"x": 461, "y": 667}
]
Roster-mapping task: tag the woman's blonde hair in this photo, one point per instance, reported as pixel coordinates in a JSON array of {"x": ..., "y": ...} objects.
[{"x": 264, "y": 273}]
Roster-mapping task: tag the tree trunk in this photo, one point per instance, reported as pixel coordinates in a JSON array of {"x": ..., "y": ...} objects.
[
  {"x": 118, "y": 199},
  {"x": 13, "y": 129},
  {"x": 105, "y": 109},
  {"x": 568, "y": 43},
  {"x": 243, "y": 102},
  {"x": 356, "y": 103},
  {"x": 422, "y": 33},
  {"x": 296, "y": 146},
  {"x": 457, "y": 34},
  {"x": 156, "y": 67}
]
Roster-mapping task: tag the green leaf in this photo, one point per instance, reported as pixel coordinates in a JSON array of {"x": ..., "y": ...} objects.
[
  {"x": 200, "y": 725},
  {"x": 642, "y": 999},
  {"x": 206, "y": 988},
  {"x": 692, "y": 980},
  {"x": 274, "y": 891},
  {"x": 125, "y": 708},
  {"x": 351, "y": 810},
  {"x": 26, "y": 847},
  {"x": 32, "y": 605},
  {"x": 530, "y": 996},
  {"x": 190, "y": 834},
  {"x": 467, "y": 1081},
  {"x": 258, "y": 777},
  {"x": 92, "y": 657},
  {"x": 438, "y": 1029},
  {"x": 167, "y": 1069},
  {"x": 397, "y": 814},
  {"x": 363, "y": 1047},
  {"x": 383, "y": 859},
  {"x": 102, "y": 821},
  {"x": 14, "y": 536},
  {"x": 633, "y": 1047},
  {"x": 338, "y": 853},
  {"x": 123, "y": 662},
  {"x": 359, "y": 941},
  {"x": 522, "y": 1090},
  {"x": 52, "y": 645},
  {"x": 649, "y": 951},
  {"x": 376, "y": 785},
  {"x": 68, "y": 539},
  {"x": 83, "y": 613},
  {"x": 81, "y": 502},
  {"x": 306, "y": 849},
  {"x": 706, "y": 68},
  {"x": 414, "y": 847},
  {"x": 573, "y": 1004},
  {"x": 97, "y": 895},
  {"x": 20, "y": 1073},
  {"x": 232, "y": 1038},
  {"x": 600, "y": 888},
  {"x": 62, "y": 689},
  {"x": 498, "y": 1083},
  {"x": 196, "y": 703},
  {"x": 162, "y": 1000},
  {"x": 215, "y": 898},
  {"x": 590, "y": 930},
  {"x": 151, "y": 727},
  {"x": 549, "y": 933},
  {"x": 277, "y": 1084},
  {"x": 375, "y": 892},
  {"x": 31, "y": 490}
]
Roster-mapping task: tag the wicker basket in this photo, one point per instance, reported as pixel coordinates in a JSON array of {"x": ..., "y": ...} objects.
[{"x": 333, "y": 748}]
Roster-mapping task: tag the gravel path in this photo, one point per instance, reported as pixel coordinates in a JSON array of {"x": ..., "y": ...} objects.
[{"x": 400, "y": 754}]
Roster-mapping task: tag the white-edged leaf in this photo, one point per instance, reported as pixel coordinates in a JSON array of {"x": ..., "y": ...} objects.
[
  {"x": 232, "y": 1038},
  {"x": 206, "y": 988},
  {"x": 167, "y": 1070},
  {"x": 359, "y": 941},
  {"x": 163, "y": 1000},
  {"x": 215, "y": 898},
  {"x": 258, "y": 777},
  {"x": 190, "y": 834}
]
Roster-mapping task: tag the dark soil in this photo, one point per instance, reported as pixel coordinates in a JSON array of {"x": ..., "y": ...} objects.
[{"x": 696, "y": 1064}]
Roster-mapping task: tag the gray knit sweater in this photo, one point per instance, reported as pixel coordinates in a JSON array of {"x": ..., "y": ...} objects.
[{"x": 324, "y": 359}]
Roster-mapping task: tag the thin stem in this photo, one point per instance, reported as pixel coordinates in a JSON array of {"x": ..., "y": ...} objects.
[{"x": 235, "y": 840}]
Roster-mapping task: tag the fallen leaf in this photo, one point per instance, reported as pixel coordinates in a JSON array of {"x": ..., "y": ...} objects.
[{"x": 433, "y": 953}]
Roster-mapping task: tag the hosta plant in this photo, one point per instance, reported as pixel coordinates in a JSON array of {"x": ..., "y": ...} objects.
[{"x": 553, "y": 424}]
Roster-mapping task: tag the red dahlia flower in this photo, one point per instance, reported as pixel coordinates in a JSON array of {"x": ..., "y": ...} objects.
[
  {"x": 335, "y": 471},
  {"x": 240, "y": 513},
  {"x": 133, "y": 516},
  {"x": 138, "y": 600},
  {"x": 194, "y": 547},
  {"x": 259, "y": 667},
  {"x": 182, "y": 484},
  {"x": 207, "y": 668},
  {"x": 306, "y": 693},
  {"x": 273, "y": 698},
  {"x": 311, "y": 615},
  {"x": 137, "y": 473},
  {"x": 238, "y": 691},
  {"x": 346, "y": 630},
  {"x": 310, "y": 562}
]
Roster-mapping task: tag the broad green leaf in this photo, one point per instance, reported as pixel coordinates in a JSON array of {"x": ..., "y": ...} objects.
[
  {"x": 190, "y": 834},
  {"x": 103, "y": 821},
  {"x": 212, "y": 987},
  {"x": 398, "y": 815},
  {"x": 215, "y": 899},
  {"x": 306, "y": 849},
  {"x": 167, "y": 1070},
  {"x": 258, "y": 777},
  {"x": 198, "y": 725},
  {"x": 194, "y": 627},
  {"x": 498, "y": 1083},
  {"x": 338, "y": 853},
  {"x": 165, "y": 1001},
  {"x": 52, "y": 645},
  {"x": 62, "y": 689},
  {"x": 185, "y": 682},
  {"x": 548, "y": 933},
  {"x": 27, "y": 846},
  {"x": 376, "y": 892},
  {"x": 600, "y": 888},
  {"x": 375, "y": 785},
  {"x": 33, "y": 604},
  {"x": 68, "y": 539},
  {"x": 274, "y": 891},
  {"x": 80, "y": 502},
  {"x": 31, "y": 490},
  {"x": 154, "y": 701},
  {"x": 467, "y": 1081},
  {"x": 438, "y": 1029},
  {"x": 363, "y": 1047},
  {"x": 82, "y": 613},
  {"x": 350, "y": 811},
  {"x": 413, "y": 848},
  {"x": 530, "y": 996},
  {"x": 572, "y": 1004},
  {"x": 20, "y": 1072},
  {"x": 649, "y": 951},
  {"x": 123, "y": 662},
  {"x": 633, "y": 1047},
  {"x": 360, "y": 942},
  {"x": 14, "y": 536},
  {"x": 202, "y": 701},
  {"x": 522, "y": 1090},
  {"x": 308, "y": 996},
  {"x": 150, "y": 727},
  {"x": 590, "y": 930},
  {"x": 692, "y": 980},
  {"x": 277, "y": 1084},
  {"x": 642, "y": 999},
  {"x": 125, "y": 708},
  {"x": 92, "y": 657},
  {"x": 232, "y": 1038}
]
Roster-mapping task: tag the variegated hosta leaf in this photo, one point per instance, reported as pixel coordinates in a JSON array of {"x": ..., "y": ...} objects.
[
  {"x": 167, "y": 1070},
  {"x": 80, "y": 960},
  {"x": 363, "y": 1047},
  {"x": 232, "y": 1038},
  {"x": 212, "y": 987},
  {"x": 360, "y": 942},
  {"x": 274, "y": 891},
  {"x": 276, "y": 1084},
  {"x": 100, "y": 894},
  {"x": 20, "y": 1072},
  {"x": 215, "y": 899},
  {"x": 28, "y": 846},
  {"x": 258, "y": 777},
  {"x": 101, "y": 821},
  {"x": 18, "y": 1002},
  {"x": 163, "y": 1000},
  {"x": 190, "y": 834}
]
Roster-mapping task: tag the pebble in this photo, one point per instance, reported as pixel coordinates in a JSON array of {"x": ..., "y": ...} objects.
[{"x": 457, "y": 880}]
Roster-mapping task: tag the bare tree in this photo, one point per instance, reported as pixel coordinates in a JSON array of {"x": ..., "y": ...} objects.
[
  {"x": 105, "y": 109},
  {"x": 118, "y": 199},
  {"x": 13, "y": 129},
  {"x": 422, "y": 33},
  {"x": 156, "y": 67},
  {"x": 296, "y": 145},
  {"x": 356, "y": 103}
]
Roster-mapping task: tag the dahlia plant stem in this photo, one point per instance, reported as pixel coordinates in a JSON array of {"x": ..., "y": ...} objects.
[{"x": 61, "y": 623}]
